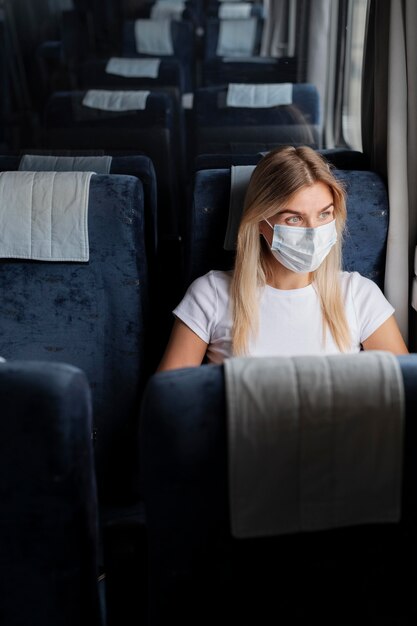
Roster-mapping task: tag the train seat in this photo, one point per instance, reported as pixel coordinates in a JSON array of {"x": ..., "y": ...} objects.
[
  {"x": 232, "y": 37},
  {"x": 139, "y": 166},
  {"x": 155, "y": 131},
  {"x": 92, "y": 315},
  {"x": 48, "y": 519},
  {"x": 227, "y": 125},
  {"x": 363, "y": 573},
  {"x": 178, "y": 42},
  {"x": 365, "y": 239}
]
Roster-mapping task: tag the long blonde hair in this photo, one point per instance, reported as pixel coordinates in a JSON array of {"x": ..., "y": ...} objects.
[{"x": 277, "y": 177}]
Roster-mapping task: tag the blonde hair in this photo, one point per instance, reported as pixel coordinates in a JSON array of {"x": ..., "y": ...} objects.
[{"x": 277, "y": 177}]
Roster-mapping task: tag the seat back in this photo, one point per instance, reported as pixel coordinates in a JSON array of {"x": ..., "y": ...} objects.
[
  {"x": 92, "y": 315},
  {"x": 48, "y": 519},
  {"x": 225, "y": 129},
  {"x": 139, "y": 165},
  {"x": 213, "y": 33},
  {"x": 183, "y": 43},
  {"x": 197, "y": 568},
  {"x": 366, "y": 231},
  {"x": 155, "y": 131}
]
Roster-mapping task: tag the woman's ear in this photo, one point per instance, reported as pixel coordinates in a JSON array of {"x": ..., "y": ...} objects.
[{"x": 266, "y": 231}]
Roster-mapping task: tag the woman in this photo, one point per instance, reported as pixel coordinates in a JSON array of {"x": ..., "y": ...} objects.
[{"x": 287, "y": 294}]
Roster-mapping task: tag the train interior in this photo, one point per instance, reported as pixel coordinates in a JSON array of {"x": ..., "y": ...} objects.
[{"x": 149, "y": 117}]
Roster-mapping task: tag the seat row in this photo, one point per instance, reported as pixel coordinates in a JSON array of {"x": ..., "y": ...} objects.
[{"x": 105, "y": 317}]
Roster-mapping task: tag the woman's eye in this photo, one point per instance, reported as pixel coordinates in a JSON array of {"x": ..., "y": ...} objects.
[
  {"x": 325, "y": 215},
  {"x": 294, "y": 219}
]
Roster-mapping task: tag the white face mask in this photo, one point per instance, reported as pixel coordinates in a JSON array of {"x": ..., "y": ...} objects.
[{"x": 301, "y": 249}]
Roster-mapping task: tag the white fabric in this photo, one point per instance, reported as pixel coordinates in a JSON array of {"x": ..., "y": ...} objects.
[
  {"x": 187, "y": 100},
  {"x": 258, "y": 96},
  {"x": 234, "y": 10},
  {"x": 46, "y": 163},
  {"x": 290, "y": 321},
  {"x": 106, "y": 100},
  {"x": 44, "y": 215},
  {"x": 133, "y": 68},
  {"x": 154, "y": 37},
  {"x": 236, "y": 38},
  {"x": 167, "y": 10},
  {"x": 314, "y": 442}
]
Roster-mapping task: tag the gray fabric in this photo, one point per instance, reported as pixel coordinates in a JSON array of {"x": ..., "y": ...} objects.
[
  {"x": 106, "y": 100},
  {"x": 258, "y": 96},
  {"x": 236, "y": 37},
  {"x": 44, "y": 215},
  {"x": 42, "y": 163},
  {"x": 239, "y": 181},
  {"x": 236, "y": 10},
  {"x": 167, "y": 10},
  {"x": 154, "y": 37},
  {"x": 314, "y": 442},
  {"x": 133, "y": 68}
]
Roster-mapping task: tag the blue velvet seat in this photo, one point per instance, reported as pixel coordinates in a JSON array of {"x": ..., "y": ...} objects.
[
  {"x": 213, "y": 7},
  {"x": 93, "y": 316},
  {"x": 365, "y": 239},
  {"x": 200, "y": 574},
  {"x": 48, "y": 503},
  {"x": 156, "y": 131},
  {"x": 183, "y": 43},
  {"x": 242, "y": 130}
]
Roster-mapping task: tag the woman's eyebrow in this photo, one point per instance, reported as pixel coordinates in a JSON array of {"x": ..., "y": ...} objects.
[{"x": 300, "y": 213}]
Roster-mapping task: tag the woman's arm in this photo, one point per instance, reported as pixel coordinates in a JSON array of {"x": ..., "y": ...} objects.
[
  {"x": 386, "y": 337},
  {"x": 184, "y": 349}
]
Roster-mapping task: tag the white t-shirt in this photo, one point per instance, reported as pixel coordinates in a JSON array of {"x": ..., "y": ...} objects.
[{"x": 290, "y": 321}]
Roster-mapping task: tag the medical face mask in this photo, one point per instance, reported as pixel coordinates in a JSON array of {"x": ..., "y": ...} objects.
[{"x": 301, "y": 249}]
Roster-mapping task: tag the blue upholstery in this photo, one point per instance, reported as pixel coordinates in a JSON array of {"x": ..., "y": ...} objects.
[
  {"x": 365, "y": 239},
  {"x": 93, "y": 75},
  {"x": 363, "y": 574},
  {"x": 141, "y": 167},
  {"x": 155, "y": 131},
  {"x": 267, "y": 70},
  {"x": 182, "y": 41},
  {"x": 222, "y": 129},
  {"x": 212, "y": 29},
  {"x": 48, "y": 506},
  {"x": 91, "y": 315}
]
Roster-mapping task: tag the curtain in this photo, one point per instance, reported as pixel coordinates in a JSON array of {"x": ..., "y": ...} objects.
[{"x": 389, "y": 131}]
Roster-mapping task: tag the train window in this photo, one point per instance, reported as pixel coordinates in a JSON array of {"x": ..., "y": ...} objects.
[{"x": 352, "y": 89}]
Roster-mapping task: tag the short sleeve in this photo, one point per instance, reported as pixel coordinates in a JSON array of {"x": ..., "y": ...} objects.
[
  {"x": 371, "y": 306},
  {"x": 198, "y": 308}
]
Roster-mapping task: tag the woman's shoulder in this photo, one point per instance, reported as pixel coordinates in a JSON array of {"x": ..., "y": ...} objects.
[
  {"x": 215, "y": 279},
  {"x": 361, "y": 290},
  {"x": 356, "y": 281}
]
